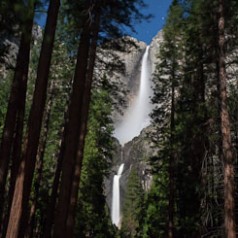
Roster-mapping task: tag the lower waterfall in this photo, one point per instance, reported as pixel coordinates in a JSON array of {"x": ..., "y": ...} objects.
[{"x": 116, "y": 210}]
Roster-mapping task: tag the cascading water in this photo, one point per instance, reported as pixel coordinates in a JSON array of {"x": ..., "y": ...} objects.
[
  {"x": 135, "y": 119},
  {"x": 137, "y": 115},
  {"x": 116, "y": 212}
]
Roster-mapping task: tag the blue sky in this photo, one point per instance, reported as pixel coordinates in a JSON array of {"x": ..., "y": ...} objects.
[{"x": 147, "y": 30}]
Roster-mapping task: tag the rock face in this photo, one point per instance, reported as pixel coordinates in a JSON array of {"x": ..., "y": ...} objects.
[
  {"x": 136, "y": 152},
  {"x": 127, "y": 80},
  {"x": 154, "y": 48},
  {"x": 132, "y": 59},
  {"x": 9, "y": 46}
]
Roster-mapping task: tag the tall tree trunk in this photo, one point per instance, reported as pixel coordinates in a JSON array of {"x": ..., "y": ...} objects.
[
  {"x": 55, "y": 187},
  {"x": 72, "y": 133},
  {"x": 227, "y": 155},
  {"x": 40, "y": 163},
  {"x": 16, "y": 150},
  {"x": 16, "y": 105},
  {"x": 83, "y": 129},
  {"x": 19, "y": 208},
  {"x": 53, "y": 197},
  {"x": 16, "y": 155}
]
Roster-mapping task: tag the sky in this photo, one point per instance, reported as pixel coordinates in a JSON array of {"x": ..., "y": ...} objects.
[{"x": 147, "y": 30}]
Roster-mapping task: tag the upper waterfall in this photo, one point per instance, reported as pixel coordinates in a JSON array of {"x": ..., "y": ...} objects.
[{"x": 136, "y": 116}]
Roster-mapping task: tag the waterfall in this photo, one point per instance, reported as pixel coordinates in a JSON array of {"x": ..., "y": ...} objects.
[
  {"x": 116, "y": 212},
  {"x": 137, "y": 115}
]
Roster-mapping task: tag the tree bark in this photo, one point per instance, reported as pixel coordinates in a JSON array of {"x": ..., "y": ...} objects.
[
  {"x": 40, "y": 163},
  {"x": 55, "y": 187},
  {"x": 72, "y": 133},
  {"x": 227, "y": 154},
  {"x": 83, "y": 129},
  {"x": 16, "y": 105},
  {"x": 19, "y": 208}
]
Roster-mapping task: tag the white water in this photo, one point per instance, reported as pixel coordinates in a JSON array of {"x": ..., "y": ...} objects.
[
  {"x": 137, "y": 115},
  {"x": 116, "y": 210}
]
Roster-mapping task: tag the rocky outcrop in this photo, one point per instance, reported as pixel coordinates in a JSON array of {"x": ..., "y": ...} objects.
[
  {"x": 135, "y": 153},
  {"x": 126, "y": 79},
  {"x": 9, "y": 46},
  {"x": 154, "y": 49}
]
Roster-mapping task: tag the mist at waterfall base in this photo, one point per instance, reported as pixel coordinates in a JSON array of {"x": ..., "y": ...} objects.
[
  {"x": 116, "y": 212},
  {"x": 136, "y": 116}
]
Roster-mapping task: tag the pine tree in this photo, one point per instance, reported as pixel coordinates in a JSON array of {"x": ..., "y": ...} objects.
[
  {"x": 78, "y": 110},
  {"x": 226, "y": 156},
  {"x": 97, "y": 159},
  {"x": 132, "y": 212},
  {"x": 18, "y": 215},
  {"x": 16, "y": 104},
  {"x": 167, "y": 76}
]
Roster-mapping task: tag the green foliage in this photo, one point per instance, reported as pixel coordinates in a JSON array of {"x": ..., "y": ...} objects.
[
  {"x": 188, "y": 65},
  {"x": 93, "y": 218},
  {"x": 186, "y": 68},
  {"x": 58, "y": 92},
  {"x": 182, "y": 70},
  {"x": 11, "y": 14},
  {"x": 4, "y": 95},
  {"x": 116, "y": 18},
  {"x": 156, "y": 204},
  {"x": 133, "y": 207}
]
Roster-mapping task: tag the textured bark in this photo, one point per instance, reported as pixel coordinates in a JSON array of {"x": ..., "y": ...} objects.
[
  {"x": 53, "y": 197},
  {"x": 83, "y": 129},
  {"x": 16, "y": 156},
  {"x": 40, "y": 163},
  {"x": 227, "y": 154},
  {"x": 54, "y": 194},
  {"x": 19, "y": 208},
  {"x": 72, "y": 134},
  {"x": 16, "y": 106}
]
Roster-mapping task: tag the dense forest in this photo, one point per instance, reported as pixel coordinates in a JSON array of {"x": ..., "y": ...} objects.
[{"x": 56, "y": 123}]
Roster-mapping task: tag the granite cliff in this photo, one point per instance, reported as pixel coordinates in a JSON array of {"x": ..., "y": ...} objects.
[
  {"x": 136, "y": 152},
  {"x": 9, "y": 46}
]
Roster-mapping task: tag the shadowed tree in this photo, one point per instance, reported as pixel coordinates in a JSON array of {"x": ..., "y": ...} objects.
[
  {"x": 19, "y": 208},
  {"x": 95, "y": 19},
  {"x": 227, "y": 154},
  {"x": 16, "y": 104}
]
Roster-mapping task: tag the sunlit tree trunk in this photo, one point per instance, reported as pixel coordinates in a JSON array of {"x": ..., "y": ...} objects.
[
  {"x": 19, "y": 209},
  {"x": 227, "y": 154}
]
